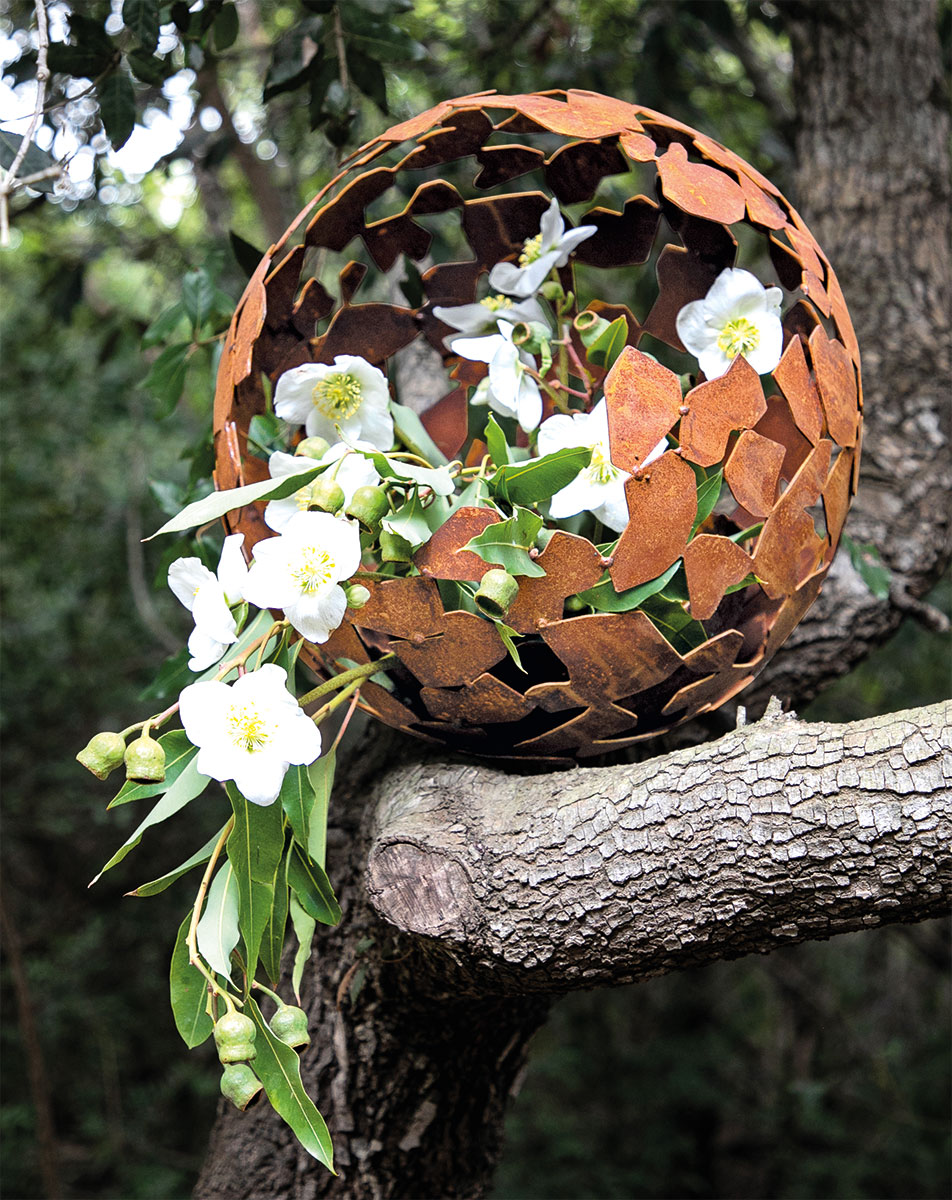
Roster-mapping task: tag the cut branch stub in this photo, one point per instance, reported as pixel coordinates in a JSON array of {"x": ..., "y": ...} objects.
[{"x": 596, "y": 682}]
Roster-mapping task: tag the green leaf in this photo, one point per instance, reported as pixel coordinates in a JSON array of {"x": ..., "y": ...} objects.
[
  {"x": 218, "y": 503},
  {"x": 709, "y": 481},
  {"x": 872, "y": 570},
  {"x": 164, "y": 881},
  {"x": 474, "y": 495},
  {"x": 279, "y": 1069},
  {"x": 147, "y": 68},
  {"x": 255, "y": 847},
  {"x": 266, "y": 433},
  {"x": 438, "y": 479},
  {"x": 225, "y": 28},
  {"x": 313, "y": 889},
  {"x": 673, "y": 623},
  {"x": 746, "y": 534},
  {"x": 320, "y": 775},
  {"x": 508, "y": 636},
  {"x": 539, "y": 479},
  {"x": 217, "y": 933},
  {"x": 117, "y": 108},
  {"x": 34, "y": 160},
  {"x": 412, "y": 433},
  {"x": 297, "y": 800},
  {"x": 508, "y": 543},
  {"x": 198, "y": 296},
  {"x": 171, "y": 320},
  {"x": 745, "y": 582},
  {"x": 369, "y": 77},
  {"x": 189, "y": 995},
  {"x": 378, "y": 38},
  {"x": 272, "y": 940},
  {"x": 304, "y": 927},
  {"x": 608, "y": 343},
  {"x": 179, "y": 752},
  {"x": 247, "y": 256},
  {"x": 188, "y": 785},
  {"x": 415, "y": 520},
  {"x": 141, "y": 18},
  {"x": 496, "y": 443},
  {"x": 166, "y": 377},
  {"x": 604, "y": 598}
]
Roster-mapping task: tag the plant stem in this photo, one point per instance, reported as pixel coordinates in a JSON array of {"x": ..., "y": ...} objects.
[
  {"x": 267, "y": 991},
  {"x": 192, "y": 938},
  {"x": 344, "y": 679},
  {"x": 325, "y": 711}
]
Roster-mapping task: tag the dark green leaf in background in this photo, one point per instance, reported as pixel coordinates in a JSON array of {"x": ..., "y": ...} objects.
[
  {"x": 225, "y": 28},
  {"x": 604, "y": 598},
  {"x": 166, "y": 377},
  {"x": 117, "y": 108},
  {"x": 34, "y": 161},
  {"x": 141, "y": 18}
]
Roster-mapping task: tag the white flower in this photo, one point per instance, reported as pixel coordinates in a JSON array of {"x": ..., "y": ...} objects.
[
  {"x": 508, "y": 390},
  {"x": 350, "y": 394},
  {"x": 299, "y": 571},
  {"x": 600, "y": 487},
  {"x": 737, "y": 316},
  {"x": 354, "y": 472},
  {"x": 475, "y": 320},
  {"x": 208, "y": 597},
  {"x": 250, "y": 731},
  {"x": 550, "y": 248}
]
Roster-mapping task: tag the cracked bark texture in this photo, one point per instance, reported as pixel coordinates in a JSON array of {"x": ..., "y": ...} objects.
[{"x": 491, "y": 891}]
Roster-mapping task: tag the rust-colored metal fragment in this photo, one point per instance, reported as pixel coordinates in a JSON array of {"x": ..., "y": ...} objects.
[
  {"x": 662, "y": 505},
  {"x": 716, "y": 408},
  {"x": 712, "y": 565},
  {"x": 596, "y": 683},
  {"x": 753, "y": 472},
  {"x": 643, "y": 400}
]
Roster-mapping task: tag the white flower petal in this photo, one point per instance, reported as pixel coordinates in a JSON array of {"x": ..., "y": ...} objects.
[
  {"x": 482, "y": 349},
  {"x": 714, "y": 362},
  {"x": 259, "y": 779},
  {"x": 528, "y": 403},
  {"x": 205, "y": 650},
  {"x": 767, "y": 353},
  {"x": 294, "y": 392},
  {"x": 613, "y": 511},
  {"x": 551, "y": 226},
  {"x": 232, "y": 568},
  {"x": 316, "y": 616},
  {"x": 186, "y": 576},
  {"x": 573, "y": 238}
]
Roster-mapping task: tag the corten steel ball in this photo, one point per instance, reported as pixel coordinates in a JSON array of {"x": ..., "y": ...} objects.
[{"x": 791, "y": 441}]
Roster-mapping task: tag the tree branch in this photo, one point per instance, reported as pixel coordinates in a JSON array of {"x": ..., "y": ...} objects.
[{"x": 779, "y": 832}]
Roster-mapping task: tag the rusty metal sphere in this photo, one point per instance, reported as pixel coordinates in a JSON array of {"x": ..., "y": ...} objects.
[{"x": 789, "y": 442}]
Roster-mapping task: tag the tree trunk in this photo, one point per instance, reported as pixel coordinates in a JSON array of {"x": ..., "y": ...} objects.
[{"x": 472, "y": 897}]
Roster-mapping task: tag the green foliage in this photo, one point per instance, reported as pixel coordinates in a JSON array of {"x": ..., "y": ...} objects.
[{"x": 508, "y": 543}]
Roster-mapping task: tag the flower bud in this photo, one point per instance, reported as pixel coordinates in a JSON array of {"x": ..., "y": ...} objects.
[
  {"x": 289, "y": 1025},
  {"x": 102, "y": 754},
  {"x": 239, "y": 1084},
  {"x": 327, "y": 494},
  {"x": 394, "y": 547},
  {"x": 497, "y": 591},
  {"x": 145, "y": 760},
  {"x": 234, "y": 1037},
  {"x": 369, "y": 505},
  {"x": 357, "y": 595},
  {"x": 312, "y": 447}
]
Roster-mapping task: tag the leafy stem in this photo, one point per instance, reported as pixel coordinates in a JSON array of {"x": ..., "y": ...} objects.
[
  {"x": 191, "y": 939},
  {"x": 345, "y": 679}
]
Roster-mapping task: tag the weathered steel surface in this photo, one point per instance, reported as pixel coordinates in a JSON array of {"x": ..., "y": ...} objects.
[{"x": 598, "y": 682}]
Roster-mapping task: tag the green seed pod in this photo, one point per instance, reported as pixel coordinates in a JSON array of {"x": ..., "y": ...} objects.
[
  {"x": 312, "y": 447},
  {"x": 574, "y": 604},
  {"x": 289, "y": 1025},
  {"x": 327, "y": 494},
  {"x": 239, "y": 1084},
  {"x": 102, "y": 754},
  {"x": 369, "y": 505},
  {"x": 234, "y": 1037},
  {"x": 497, "y": 592},
  {"x": 357, "y": 595},
  {"x": 394, "y": 548},
  {"x": 145, "y": 760}
]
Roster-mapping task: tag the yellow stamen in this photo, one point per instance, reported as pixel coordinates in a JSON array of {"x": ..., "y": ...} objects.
[
  {"x": 249, "y": 729},
  {"x": 495, "y": 303},
  {"x": 738, "y": 336},
  {"x": 337, "y": 396},
  {"x": 531, "y": 250},
  {"x": 314, "y": 570}
]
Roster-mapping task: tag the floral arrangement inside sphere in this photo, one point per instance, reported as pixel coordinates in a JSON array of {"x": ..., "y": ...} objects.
[{"x": 357, "y": 491}]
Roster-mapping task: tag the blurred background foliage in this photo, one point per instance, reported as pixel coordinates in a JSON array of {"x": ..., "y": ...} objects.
[{"x": 821, "y": 1071}]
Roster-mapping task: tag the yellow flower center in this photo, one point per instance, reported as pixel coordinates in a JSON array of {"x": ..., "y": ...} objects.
[
  {"x": 314, "y": 570},
  {"x": 337, "y": 396},
  {"x": 601, "y": 469},
  {"x": 249, "y": 729},
  {"x": 738, "y": 336},
  {"x": 531, "y": 250},
  {"x": 495, "y": 303}
]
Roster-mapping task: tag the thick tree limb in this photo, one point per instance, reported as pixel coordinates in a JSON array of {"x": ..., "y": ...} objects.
[{"x": 779, "y": 832}]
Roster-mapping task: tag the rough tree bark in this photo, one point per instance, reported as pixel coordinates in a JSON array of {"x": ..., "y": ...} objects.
[{"x": 471, "y": 896}]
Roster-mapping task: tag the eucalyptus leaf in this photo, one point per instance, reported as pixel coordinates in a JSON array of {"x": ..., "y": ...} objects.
[
  {"x": 604, "y": 598},
  {"x": 538, "y": 479},
  {"x": 508, "y": 636},
  {"x": 310, "y": 884},
  {"x": 746, "y": 534},
  {"x": 320, "y": 775},
  {"x": 304, "y": 928},
  {"x": 607, "y": 344},
  {"x": 189, "y": 993},
  {"x": 217, "y": 932},
  {"x": 279, "y": 1069},
  {"x": 255, "y": 846},
  {"x": 188, "y": 785},
  {"x": 179, "y": 752},
  {"x": 164, "y": 881},
  {"x": 438, "y": 479},
  {"x": 709, "y": 482},
  {"x": 674, "y": 624},
  {"x": 272, "y": 940},
  {"x": 508, "y": 543},
  {"x": 496, "y": 443},
  {"x": 218, "y": 503},
  {"x": 297, "y": 800}
]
